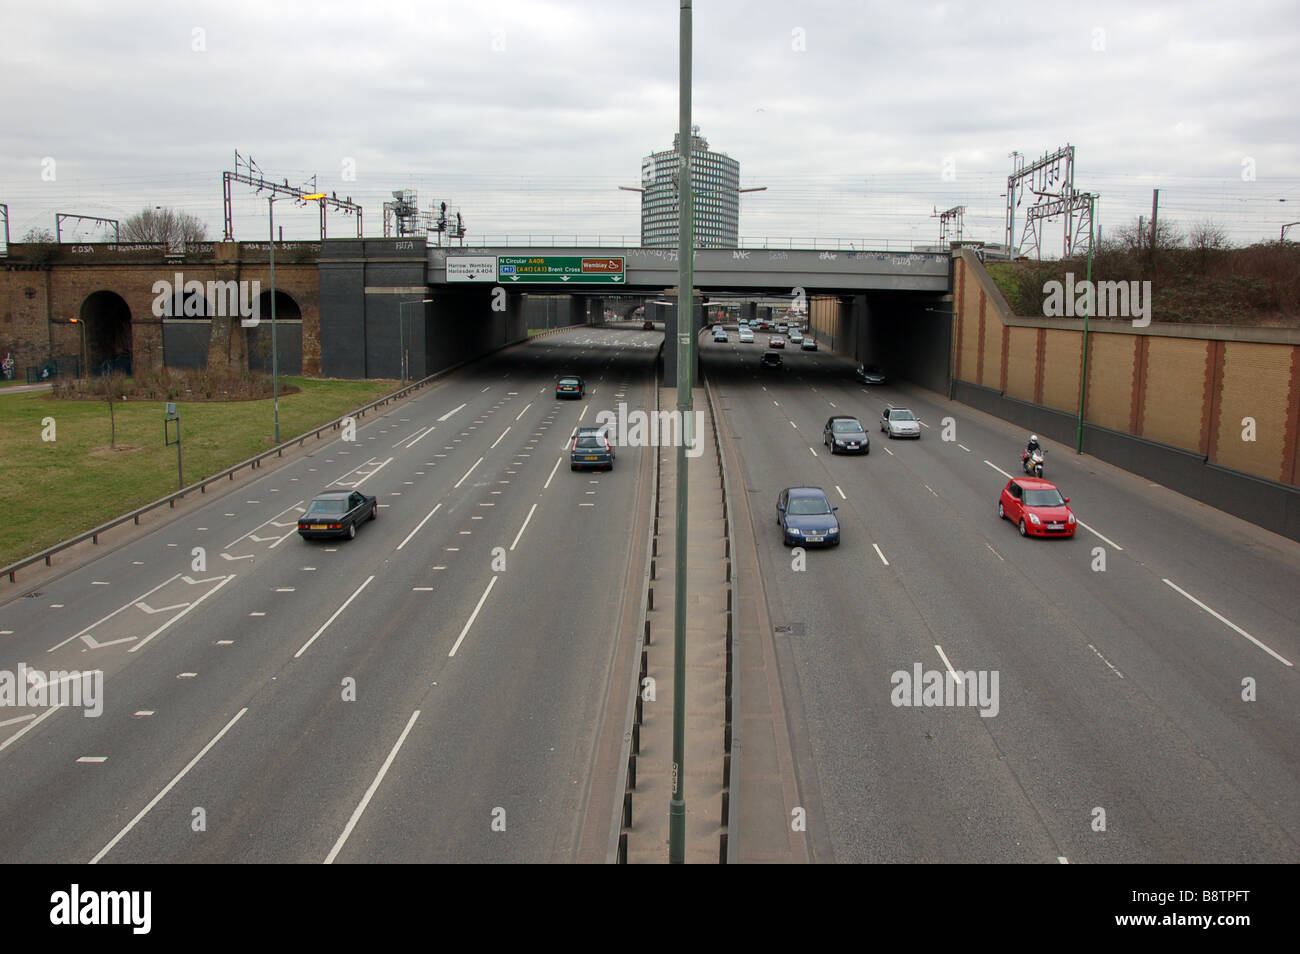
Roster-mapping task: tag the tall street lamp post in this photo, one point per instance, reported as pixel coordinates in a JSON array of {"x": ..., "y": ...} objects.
[{"x": 275, "y": 350}]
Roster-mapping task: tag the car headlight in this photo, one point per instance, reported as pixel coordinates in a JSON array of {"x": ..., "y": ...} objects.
[
  {"x": 1033, "y": 518},
  {"x": 1071, "y": 518},
  {"x": 796, "y": 530},
  {"x": 839, "y": 441}
]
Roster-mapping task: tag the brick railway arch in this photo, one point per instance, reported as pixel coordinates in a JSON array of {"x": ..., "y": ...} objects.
[
  {"x": 108, "y": 332},
  {"x": 288, "y": 317}
]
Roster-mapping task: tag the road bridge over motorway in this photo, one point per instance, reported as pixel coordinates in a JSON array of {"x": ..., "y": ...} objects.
[{"x": 888, "y": 302}]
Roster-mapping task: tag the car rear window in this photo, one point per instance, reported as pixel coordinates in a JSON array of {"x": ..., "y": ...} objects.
[
  {"x": 591, "y": 440},
  {"x": 568, "y": 380},
  {"x": 328, "y": 506}
]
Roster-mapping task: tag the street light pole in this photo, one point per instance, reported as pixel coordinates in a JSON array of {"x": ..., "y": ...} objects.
[
  {"x": 275, "y": 351},
  {"x": 686, "y": 331},
  {"x": 1087, "y": 312}
]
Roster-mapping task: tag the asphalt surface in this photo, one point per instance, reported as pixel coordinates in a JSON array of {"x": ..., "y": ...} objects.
[
  {"x": 432, "y": 690},
  {"x": 1120, "y": 731},
  {"x": 398, "y": 697}
]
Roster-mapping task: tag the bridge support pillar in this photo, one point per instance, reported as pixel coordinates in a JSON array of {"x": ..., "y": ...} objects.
[{"x": 748, "y": 311}]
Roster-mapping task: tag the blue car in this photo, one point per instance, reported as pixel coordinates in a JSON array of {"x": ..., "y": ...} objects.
[{"x": 806, "y": 516}]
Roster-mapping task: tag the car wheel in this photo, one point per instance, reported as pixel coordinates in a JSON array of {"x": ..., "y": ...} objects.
[
  {"x": 352, "y": 531},
  {"x": 573, "y": 467},
  {"x": 1023, "y": 531},
  {"x": 374, "y": 511},
  {"x": 868, "y": 450},
  {"x": 1002, "y": 512}
]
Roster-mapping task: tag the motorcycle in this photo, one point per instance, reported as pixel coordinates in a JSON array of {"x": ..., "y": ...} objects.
[{"x": 1033, "y": 463}]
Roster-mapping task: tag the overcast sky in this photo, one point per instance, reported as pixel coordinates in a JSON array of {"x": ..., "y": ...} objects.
[{"x": 860, "y": 118}]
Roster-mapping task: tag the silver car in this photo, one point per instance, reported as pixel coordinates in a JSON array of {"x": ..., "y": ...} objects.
[{"x": 899, "y": 422}]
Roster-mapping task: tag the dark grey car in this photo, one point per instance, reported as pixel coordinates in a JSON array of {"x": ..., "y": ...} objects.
[{"x": 846, "y": 435}]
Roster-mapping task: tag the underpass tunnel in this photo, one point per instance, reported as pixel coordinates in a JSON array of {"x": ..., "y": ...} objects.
[{"x": 108, "y": 332}]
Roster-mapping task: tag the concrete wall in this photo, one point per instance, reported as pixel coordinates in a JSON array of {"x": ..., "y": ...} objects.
[{"x": 1211, "y": 412}]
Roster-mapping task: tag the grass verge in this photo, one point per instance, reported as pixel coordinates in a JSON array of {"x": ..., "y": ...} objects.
[{"x": 65, "y": 486}]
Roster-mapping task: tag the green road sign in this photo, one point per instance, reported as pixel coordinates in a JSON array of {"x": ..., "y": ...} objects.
[{"x": 561, "y": 269}]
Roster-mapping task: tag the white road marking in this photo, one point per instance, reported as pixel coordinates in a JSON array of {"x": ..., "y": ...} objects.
[
  {"x": 22, "y": 718},
  {"x": 449, "y": 413},
  {"x": 168, "y": 787},
  {"x": 999, "y": 470},
  {"x": 584, "y": 413},
  {"x": 964, "y": 447},
  {"x": 521, "y": 413},
  {"x": 325, "y": 625},
  {"x": 93, "y": 759},
  {"x": 521, "y": 528},
  {"x": 889, "y": 452},
  {"x": 929, "y": 488},
  {"x": 814, "y": 453},
  {"x": 1096, "y": 534},
  {"x": 994, "y": 552},
  {"x": 145, "y": 642},
  {"x": 370, "y": 792},
  {"x": 832, "y": 404},
  {"x": 419, "y": 435},
  {"x": 186, "y": 675},
  {"x": 1229, "y": 623},
  {"x": 944, "y": 657},
  {"x": 27, "y": 728},
  {"x": 467, "y": 473},
  {"x": 880, "y": 554},
  {"x": 473, "y": 616},
  {"x": 114, "y": 613},
  {"x": 418, "y": 526},
  {"x": 262, "y": 524},
  {"x": 422, "y": 589},
  {"x": 144, "y": 712},
  {"x": 922, "y": 423},
  {"x": 498, "y": 440},
  {"x": 1105, "y": 660},
  {"x": 546, "y": 486},
  {"x": 256, "y": 614},
  {"x": 842, "y": 497}
]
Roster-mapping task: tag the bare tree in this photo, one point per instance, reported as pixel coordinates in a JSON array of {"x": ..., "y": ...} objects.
[
  {"x": 1207, "y": 235},
  {"x": 163, "y": 225},
  {"x": 1133, "y": 238},
  {"x": 114, "y": 391},
  {"x": 37, "y": 236}
]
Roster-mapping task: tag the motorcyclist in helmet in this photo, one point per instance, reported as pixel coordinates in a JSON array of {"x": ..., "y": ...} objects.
[{"x": 1033, "y": 445}]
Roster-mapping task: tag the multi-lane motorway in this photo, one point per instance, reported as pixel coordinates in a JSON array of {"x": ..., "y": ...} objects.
[
  {"x": 1121, "y": 731},
  {"x": 432, "y": 690},
  {"x": 449, "y": 686}
]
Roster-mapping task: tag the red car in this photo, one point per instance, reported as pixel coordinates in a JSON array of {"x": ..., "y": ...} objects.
[
  {"x": 1037, "y": 507},
  {"x": 776, "y": 341}
]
